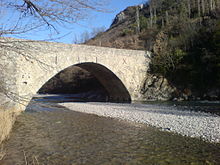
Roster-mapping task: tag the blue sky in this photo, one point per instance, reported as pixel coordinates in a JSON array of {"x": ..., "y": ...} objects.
[
  {"x": 95, "y": 19},
  {"x": 101, "y": 19}
]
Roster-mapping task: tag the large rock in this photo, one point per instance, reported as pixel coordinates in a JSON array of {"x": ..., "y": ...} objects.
[
  {"x": 157, "y": 88},
  {"x": 119, "y": 18},
  {"x": 212, "y": 94}
]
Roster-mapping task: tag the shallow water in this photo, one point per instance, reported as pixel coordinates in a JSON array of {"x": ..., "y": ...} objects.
[
  {"x": 198, "y": 106},
  {"x": 52, "y": 135}
]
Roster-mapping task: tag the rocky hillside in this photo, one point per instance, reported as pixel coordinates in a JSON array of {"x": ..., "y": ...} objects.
[
  {"x": 119, "y": 34},
  {"x": 184, "y": 37}
]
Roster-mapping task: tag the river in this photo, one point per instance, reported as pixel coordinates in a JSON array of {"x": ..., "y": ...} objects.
[{"x": 49, "y": 134}]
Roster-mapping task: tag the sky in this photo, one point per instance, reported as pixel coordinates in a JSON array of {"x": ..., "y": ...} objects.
[
  {"x": 105, "y": 19},
  {"x": 98, "y": 19},
  {"x": 94, "y": 20}
]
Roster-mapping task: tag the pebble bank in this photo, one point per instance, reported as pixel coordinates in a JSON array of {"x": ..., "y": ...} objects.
[{"x": 187, "y": 123}]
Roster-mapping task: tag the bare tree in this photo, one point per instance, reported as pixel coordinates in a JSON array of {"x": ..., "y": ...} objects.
[
  {"x": 189, "y": 8},
  {"x": 211, "y": 5},
  {"x": 199, "y": 8},
  {"x": 96, "y": 31},
  {"x": 86, "y": 36},
  {"x": 151, "y": 16},
  {"x": 217, "y": 3},
  {"x": 33, "y": 14},
  {"x": 138, "y": 19},
  {"x": 167, "y": 17},
  {"x": 155, "y": 15}
]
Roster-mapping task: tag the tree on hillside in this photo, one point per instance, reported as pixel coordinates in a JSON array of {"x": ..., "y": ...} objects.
[
  {"x": 85, "y": 36},
  {"x": 186, "y": 45}
]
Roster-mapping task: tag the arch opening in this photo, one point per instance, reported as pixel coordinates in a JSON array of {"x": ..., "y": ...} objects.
[{"x": 90, "y": 82}]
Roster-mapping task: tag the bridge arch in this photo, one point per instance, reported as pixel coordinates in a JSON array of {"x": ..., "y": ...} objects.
[{"x": 114, "y": 87}]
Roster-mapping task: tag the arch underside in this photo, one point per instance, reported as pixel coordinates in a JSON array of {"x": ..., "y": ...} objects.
[{"x": 102, "y": 79}]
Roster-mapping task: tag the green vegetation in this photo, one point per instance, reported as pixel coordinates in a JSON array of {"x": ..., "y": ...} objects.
[
  {"x": 185, "y": 41},
  {"x": 127, "y": 31}
]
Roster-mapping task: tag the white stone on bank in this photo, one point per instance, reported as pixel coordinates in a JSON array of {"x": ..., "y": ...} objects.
[{"x": 188, "y": 123}]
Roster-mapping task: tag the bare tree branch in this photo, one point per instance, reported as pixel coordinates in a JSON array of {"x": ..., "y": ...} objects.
[{"x": 19, "y": 17}]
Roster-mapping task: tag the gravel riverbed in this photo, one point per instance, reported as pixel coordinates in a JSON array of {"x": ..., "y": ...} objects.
[{"x": 188, "y": 123}]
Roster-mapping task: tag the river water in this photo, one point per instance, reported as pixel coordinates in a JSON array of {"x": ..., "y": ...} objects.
[{"x": 48, "y": 134}]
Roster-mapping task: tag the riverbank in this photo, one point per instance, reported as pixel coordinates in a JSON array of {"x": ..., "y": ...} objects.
[
  {"x": 7, "y": 119},
  {"x": 187, "y": 123}
]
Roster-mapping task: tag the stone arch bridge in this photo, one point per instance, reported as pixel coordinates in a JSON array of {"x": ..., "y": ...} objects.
[{"x": 27, "y": 65}]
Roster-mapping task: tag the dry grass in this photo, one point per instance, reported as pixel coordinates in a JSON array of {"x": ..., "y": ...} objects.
[
  {"x": 7, "y": 119},
  {"x": 2, "y": 153},
  {"x": 33, "y": 160}
]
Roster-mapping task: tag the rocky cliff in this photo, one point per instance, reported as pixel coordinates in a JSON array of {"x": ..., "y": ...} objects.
[{"x": 118, "y": 35}]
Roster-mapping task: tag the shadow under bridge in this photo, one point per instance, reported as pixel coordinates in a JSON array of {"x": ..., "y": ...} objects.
[{"x": 94, "y": 81}]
